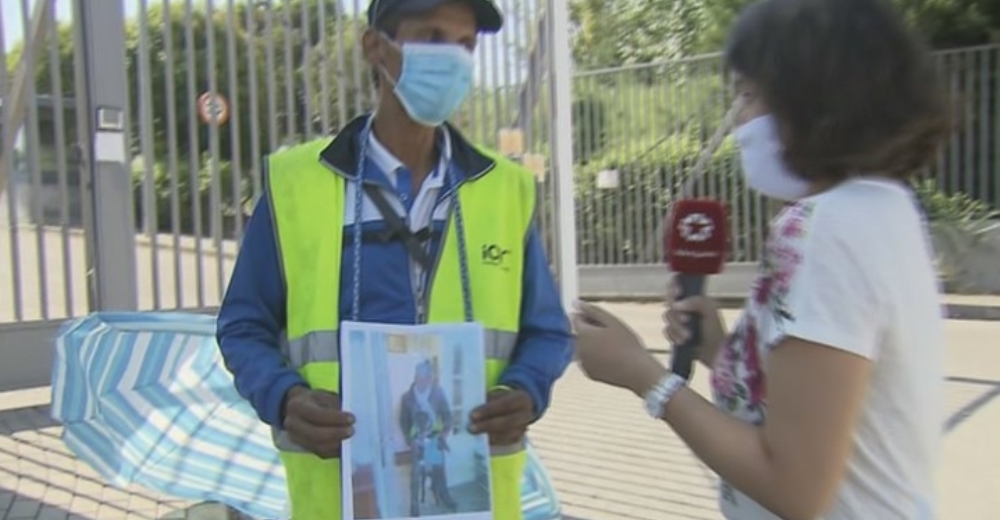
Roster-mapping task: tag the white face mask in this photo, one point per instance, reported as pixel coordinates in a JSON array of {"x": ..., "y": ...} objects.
[{"x": 763, "y": 165}]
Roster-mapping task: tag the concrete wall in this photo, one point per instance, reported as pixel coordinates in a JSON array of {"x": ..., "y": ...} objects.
[
  {"x": 26, "y": 354},
  {"x": 650, "y": 281},
  {"x": 26, "y": 349}
]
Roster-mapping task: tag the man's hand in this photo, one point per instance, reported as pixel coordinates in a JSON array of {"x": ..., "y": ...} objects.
[
  {"x": 505, "y": 416},
  {"x": 314, "y": 421}
]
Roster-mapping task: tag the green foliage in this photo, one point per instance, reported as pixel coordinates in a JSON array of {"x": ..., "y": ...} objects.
[
  {"x": 958, "y": 209},
  {"x": 621, "y": 32},
  {"x": 655, "y": 121},
  {"x": 644, "y": 105},
  {"x": 621, "y": 225},
  {"x": 590, "y": 128},
  {"x": 615, "y": 32},
  {"x": 212, "y": 191},
  {"x": 956, "y": 222}
]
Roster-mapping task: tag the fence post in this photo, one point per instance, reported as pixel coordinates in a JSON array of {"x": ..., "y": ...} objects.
[
  {"x": 102, "y": 93},
  {"x": 561, "y": 138}
]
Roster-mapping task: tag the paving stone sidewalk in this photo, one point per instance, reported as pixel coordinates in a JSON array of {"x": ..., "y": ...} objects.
[{"x": 606, "y": 459}]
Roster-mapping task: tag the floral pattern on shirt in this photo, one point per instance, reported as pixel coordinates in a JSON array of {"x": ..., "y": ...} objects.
[{"x": 739, "y": 384}]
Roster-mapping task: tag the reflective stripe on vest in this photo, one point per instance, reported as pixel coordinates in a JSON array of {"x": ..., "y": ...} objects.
[
  {"x": 325, "y": 346},
  {"x": 497, "y": 210}
]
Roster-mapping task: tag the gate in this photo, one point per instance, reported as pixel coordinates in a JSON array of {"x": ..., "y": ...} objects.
[
  {"x": 180, "y": 100},
  {"x": 66, "y": 245}
]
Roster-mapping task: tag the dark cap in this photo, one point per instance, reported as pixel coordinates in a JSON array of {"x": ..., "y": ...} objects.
[{"x": 488, "y": 17}]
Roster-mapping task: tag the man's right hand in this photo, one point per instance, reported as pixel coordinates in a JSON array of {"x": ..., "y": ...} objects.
[{"x": 314, "y": 421}]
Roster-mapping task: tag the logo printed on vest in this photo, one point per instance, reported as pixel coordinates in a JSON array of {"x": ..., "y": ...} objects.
[{"x": 493, "y": 254}]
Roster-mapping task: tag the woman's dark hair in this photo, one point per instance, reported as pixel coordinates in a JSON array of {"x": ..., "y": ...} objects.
[{"x": 852, "y": 88}]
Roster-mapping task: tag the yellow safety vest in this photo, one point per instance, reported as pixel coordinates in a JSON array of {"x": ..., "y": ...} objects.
[{"x": 497, "y": 210}]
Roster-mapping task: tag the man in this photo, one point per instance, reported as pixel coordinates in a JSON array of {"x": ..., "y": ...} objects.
[
  {"x": 441, "y": 232},
  {"x": 425, "y": 418}
]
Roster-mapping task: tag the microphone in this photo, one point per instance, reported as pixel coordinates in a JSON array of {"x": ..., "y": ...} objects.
[{"x": 695, "y": 243}]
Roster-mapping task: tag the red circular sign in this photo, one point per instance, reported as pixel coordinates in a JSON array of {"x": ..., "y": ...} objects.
[{"x": 213, "y": 108}]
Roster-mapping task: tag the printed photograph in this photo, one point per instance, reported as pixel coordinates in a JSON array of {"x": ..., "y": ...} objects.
[{"x": 412, "y": 390}]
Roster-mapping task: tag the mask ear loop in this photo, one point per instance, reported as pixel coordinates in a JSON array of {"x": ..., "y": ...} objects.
[
  {"x": 381, "y": 66},
  {"x": 384, "y": 37}
]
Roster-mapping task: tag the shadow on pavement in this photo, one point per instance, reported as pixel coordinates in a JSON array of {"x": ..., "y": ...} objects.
[
  {"x": 992, "y": 392},
  {"x": 206, "y": 511},
  {"x": 17, "y": 506},
  {"x": 29, "y": 418}
]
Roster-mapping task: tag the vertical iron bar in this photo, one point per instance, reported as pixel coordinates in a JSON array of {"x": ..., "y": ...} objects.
[
  {"x": 194, "y": 149},
  {"x": 645, "y": 181},
  {"x": 529, "y": 22},
  {"x": 982, "y": 169},
  {"x": 996, "y": 127},
  {"x": 62, "y": 163},
  {"x": 492, "y": 84},
  {"x": 357, "y": 28},
  {"x": 272, "y": 87},
  {"x": 341, "y": 75},
  {"x": 215, "y": 184},
  {"x": 324, "y": 69},
  {"x": 169, "y": 88},
  {"x": 254, "y": 100},
  {"x": 518, "y": 52},
  {"x": 480, "y": 134},
  {"x": 620, "y": 199},
  {"x": 146, "y": 139},
  {"x": 969, "y": 137},
  {"x": 509, "y": 54},
  {"x": 954, "y": 71},
  {"x": 12, "y": 185},
  {"x": 291, "y": 129},
  {"x": 83, "y": 152},
  {"x": 235, "y": 126},
  {"x": 654, "y": 250},
  {"x": 307, "y": 74},
  {"x": 940, "y": 163},
  {"x": 31, "y": 142}
]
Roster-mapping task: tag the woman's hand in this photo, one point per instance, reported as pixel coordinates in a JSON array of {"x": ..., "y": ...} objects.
[
  {"x": 676, "y": 330},
  {"x": 610, "y": 352}
]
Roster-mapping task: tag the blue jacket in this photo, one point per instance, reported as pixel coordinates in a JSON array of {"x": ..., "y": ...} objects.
[{"x": 252, "y": 316}]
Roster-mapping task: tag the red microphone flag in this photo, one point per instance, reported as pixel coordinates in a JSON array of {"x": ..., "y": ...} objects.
[{"x": 696, "y": 238}]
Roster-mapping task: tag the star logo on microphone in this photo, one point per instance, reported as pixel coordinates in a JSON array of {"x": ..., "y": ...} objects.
[{"x": 696, "y": 227}]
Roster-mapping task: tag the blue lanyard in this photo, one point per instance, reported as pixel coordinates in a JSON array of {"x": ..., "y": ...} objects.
[{"x": 456, "y": 210}]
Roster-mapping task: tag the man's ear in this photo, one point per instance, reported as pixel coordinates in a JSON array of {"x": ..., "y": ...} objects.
[{"x": 371, "y": 46}]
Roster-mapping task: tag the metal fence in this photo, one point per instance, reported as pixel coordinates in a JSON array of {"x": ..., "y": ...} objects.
[
  {"x": 639, "y": 129},
  {"x": 215, "y": 85}
]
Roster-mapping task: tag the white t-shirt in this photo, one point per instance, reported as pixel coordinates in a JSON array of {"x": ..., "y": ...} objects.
[{"x": 851, "y": 268}]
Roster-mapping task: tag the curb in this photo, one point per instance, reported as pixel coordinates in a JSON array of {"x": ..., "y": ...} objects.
[{"x": 953, "y": 311}]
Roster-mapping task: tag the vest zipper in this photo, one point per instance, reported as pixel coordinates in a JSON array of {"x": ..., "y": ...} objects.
[{"x": 424, "y": 294}]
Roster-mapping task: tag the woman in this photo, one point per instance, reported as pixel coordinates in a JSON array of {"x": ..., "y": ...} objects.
[{"x": 828, "y": 393}]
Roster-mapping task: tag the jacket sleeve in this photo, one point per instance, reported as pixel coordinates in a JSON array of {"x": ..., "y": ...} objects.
[
  {"x": 406, "y": 416},
  {"x": 252, "y": 318},
  {"x": 544, "y": 346}
]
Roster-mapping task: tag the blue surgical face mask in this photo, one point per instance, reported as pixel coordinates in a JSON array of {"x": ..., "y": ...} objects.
[{"x": 434, "y": 80}]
